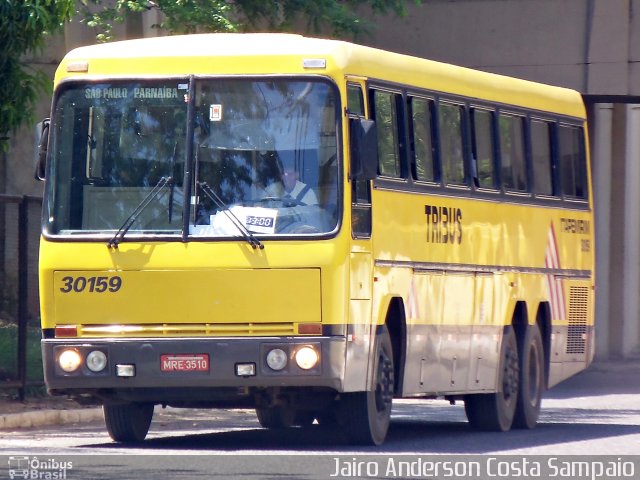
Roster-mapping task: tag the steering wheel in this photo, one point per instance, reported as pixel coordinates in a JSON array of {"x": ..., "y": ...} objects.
[{"x": 285, "y": 201}]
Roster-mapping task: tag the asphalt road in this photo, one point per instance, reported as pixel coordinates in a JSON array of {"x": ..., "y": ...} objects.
[{"x": 596, "y": 413}]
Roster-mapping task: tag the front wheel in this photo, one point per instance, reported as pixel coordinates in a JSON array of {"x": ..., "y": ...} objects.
[
  {"x": 496, "y": 411},
  {"x": 128, "y": 422},
  {"x": 365, "y": 416}
]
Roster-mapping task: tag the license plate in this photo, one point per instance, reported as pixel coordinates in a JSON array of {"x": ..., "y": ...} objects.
[{"x": 184, "y": 363}]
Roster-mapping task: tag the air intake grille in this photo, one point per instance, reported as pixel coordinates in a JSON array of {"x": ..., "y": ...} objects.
[
  {"x": 188, "y": 330},
  {"x": 578, "y": 312}
]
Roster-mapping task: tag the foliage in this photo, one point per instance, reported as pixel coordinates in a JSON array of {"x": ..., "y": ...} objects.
[
  {"x": 340, "y": 18},
  {"x": 9, "y": 355},
  {"x": 24, "y": 24}
]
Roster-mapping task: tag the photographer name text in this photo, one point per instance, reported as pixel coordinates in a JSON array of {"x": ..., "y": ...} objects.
[{"x": 491, "y": 467}]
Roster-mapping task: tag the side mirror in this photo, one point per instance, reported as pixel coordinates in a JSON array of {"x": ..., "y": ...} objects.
[
  {"x": 43, "y": 145},
  {"x": 364, "y": 149}
]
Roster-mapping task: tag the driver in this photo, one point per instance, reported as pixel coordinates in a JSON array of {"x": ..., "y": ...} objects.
[{"x": 292, "y": 188}]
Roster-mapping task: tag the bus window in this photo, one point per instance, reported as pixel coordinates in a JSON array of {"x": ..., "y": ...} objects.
[
  {"x": 572, "y": 161},
  {"x": 541, "y": 156},
  {"x": 113, "y": 143},
  {"x": 385, "y": 106},
  {"x": 451, "y": 144},
  {"x": 514, "y": 170},
  {"x": 360, "y": 189},
  {"x": 265, "y": 148},
  {"x": 355, "y": 101},
  {"x": 421, "y": 112},
  {"x": 483, "y": 148}
]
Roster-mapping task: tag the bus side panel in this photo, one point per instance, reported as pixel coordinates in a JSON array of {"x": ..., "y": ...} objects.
[
  {"x": 359, "y": 329},
  {"x": 485, "y": 342},
  {"x": 423, "y": 368}
]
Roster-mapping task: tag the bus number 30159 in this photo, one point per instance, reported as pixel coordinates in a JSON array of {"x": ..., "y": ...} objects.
[{"x": 91, "y": 284}]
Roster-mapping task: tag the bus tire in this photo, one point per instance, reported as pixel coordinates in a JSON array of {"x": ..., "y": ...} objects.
[
  {"x": 531, "y": 379},
  {"x": 365, "y": 416},
  {"x": 275, "y": 418},
  {"x": 496, "y": 411},
  {"x": 128, "y": 422}
]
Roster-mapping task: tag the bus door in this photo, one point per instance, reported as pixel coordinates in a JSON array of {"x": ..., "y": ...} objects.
[{"x": 360, "y": 330}]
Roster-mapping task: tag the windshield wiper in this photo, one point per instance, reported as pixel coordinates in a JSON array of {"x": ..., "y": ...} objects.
[
  {"x": 248, "y": 236},
  {"x": 144, "y": 203}
]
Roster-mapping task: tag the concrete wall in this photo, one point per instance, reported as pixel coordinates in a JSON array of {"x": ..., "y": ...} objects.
[{"x": 589, "y": 45}]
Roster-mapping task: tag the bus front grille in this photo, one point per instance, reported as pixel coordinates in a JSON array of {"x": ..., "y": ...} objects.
[{"x": 188, "y": 330}]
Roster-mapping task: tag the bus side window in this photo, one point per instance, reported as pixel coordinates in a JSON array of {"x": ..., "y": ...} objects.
[
  {"x": 360, "y": 189},
  {"x": 355, "y": 101},
  {"x": 451, "y": 143},
  {"x": 386, "y": 111},
  {"x": 423, "y": 164},
  {"x": 541, "y": 156},
  {"x": 483, "y": 145},
  {"x": 572, "y": 161},
  {"x": 512, "y": 153}
]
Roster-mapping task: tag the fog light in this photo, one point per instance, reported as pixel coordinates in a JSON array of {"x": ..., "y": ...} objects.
[
  {"x": 96, "y": 361},
  {"x": 69, "y": 360},
  {"x": 277, "y": 359},
  {"x": 306, "y": 358},
  {"x": 124, "y": 370},
  {"x": 245, "y": 369}
]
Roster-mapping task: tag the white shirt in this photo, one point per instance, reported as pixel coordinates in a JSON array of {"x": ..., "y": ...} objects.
[{"x": 309, "y": 197}]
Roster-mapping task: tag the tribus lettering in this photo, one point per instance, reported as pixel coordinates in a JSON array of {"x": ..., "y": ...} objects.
[{"x": 444, "y": 224}]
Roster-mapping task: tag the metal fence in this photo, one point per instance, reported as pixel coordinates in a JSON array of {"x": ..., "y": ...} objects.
[{"x": 20, "y": 360}]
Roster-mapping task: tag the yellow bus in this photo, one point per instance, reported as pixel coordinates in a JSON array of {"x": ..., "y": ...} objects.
[{"x": 310, "y": 228}]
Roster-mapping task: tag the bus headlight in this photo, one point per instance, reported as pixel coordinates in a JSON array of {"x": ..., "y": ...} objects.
[
  {"x": 277, "y": 359},
  {"x": 306, "y": 358},
  {"x": 96, "y": 361},
  {"x": 69, "y": 360}
]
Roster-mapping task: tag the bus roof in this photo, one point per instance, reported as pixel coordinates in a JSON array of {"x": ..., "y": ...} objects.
[{"x": 275, "y": 53}]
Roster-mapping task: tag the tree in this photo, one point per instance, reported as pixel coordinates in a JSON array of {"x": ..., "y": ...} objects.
[
  {"x": 339, "y": 17},
  {"x": 24, "y": 25}
]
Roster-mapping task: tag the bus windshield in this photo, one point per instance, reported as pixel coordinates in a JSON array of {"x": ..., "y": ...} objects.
[{"x": 263, "y": 158}]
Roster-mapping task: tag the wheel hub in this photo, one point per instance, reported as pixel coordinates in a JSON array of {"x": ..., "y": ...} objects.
[{"x": 384, "y": 384}]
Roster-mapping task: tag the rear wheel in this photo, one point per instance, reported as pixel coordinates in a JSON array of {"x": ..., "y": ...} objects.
[
  {"x": 365, "y": 416},
  {"x": 496, "y": 411},
  {"x": 531, "y": 379},
  {"x": 128, "y": 422}
]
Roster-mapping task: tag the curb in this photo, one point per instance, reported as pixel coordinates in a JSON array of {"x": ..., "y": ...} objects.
[
  {"x": 629, "y": 366},
  {"x": 43, "y": 418}
]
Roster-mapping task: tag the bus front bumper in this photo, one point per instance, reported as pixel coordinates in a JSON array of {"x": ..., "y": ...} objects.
[{"x": 192, "y": 363}]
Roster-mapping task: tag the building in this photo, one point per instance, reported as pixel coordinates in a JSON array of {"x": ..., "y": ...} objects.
[{"x": 589, "y": 45}]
